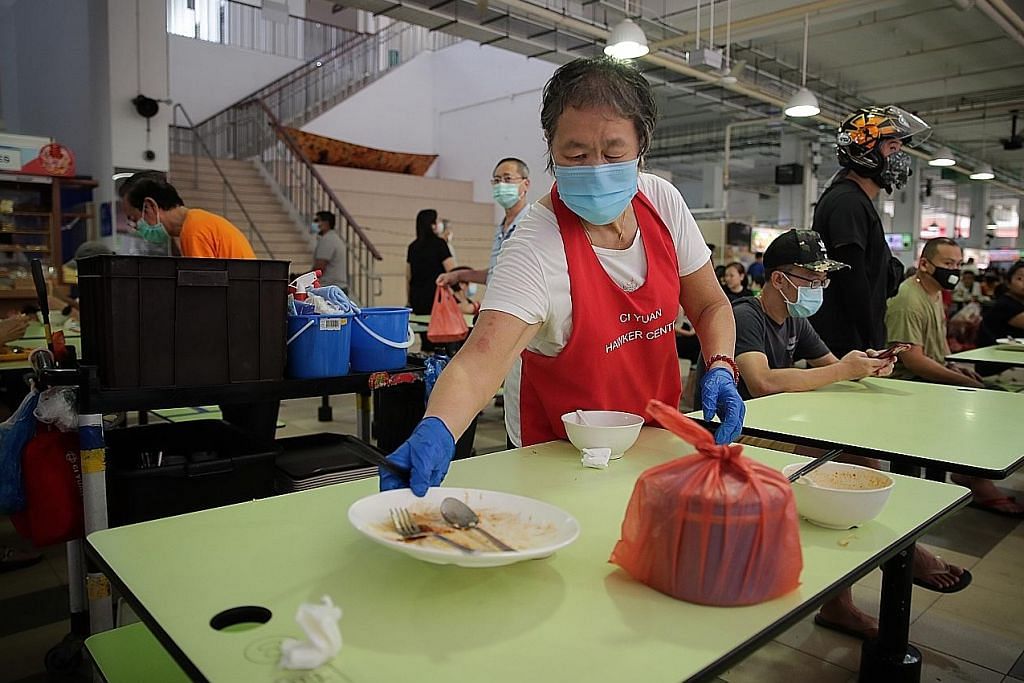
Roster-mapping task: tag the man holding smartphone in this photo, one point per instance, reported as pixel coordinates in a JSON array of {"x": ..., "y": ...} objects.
[{"x": 772, "y": 333}]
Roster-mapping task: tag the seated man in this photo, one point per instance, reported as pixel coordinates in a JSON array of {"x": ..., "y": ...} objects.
[
  {"x": 916, "y": 316},
  {"x": 772, "y": 333}
]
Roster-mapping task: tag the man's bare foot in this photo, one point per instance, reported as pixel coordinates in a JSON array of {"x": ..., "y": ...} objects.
[
  {"x": 934, "y": 573},
  {"x": 843, "y": 616}
]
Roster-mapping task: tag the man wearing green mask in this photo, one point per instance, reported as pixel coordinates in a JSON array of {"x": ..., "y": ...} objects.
[{"x": 510, "y": 183}]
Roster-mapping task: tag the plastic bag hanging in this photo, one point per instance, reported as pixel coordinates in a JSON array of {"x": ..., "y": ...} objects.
[
  {"x": 446, "y": 321},
  {"x": 14, "y": 434},
  {"x": 714, "y": 527}
]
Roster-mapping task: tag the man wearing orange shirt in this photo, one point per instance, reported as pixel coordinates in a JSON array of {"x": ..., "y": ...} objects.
[{"x": 161, "y": 213}]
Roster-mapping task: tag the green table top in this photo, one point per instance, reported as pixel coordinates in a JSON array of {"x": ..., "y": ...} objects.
[
  {"x": 574, "y": 615},
  {"x": 35, "y": 331},
  {"x": 131, "y": 654},
  {"x": 958, "y": 429},
  {"x": 419, "y": 322},
  {"x": 991, "y": 354},
  {"x": 40, "y": 343}
]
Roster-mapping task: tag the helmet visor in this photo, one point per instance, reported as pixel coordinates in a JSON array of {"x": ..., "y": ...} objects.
[{"x": 904, "y": 126}]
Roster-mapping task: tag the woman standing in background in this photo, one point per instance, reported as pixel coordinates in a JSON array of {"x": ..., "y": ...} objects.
[{"x": 427, "y": 257}]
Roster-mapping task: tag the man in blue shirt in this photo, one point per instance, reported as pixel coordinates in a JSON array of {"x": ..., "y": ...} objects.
[{"x": 510, "y": 183}]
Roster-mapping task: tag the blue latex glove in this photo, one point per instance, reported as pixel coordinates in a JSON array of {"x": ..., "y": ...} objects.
[
  {"x": 427, "y": 453},
  {"x": 720, "y": 397},
  {"x": 336, "y": 296}
]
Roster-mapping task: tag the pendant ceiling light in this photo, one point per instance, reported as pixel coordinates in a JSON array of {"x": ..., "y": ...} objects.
[
  {"x": 984, "y": 172},
  {"x": 803, "y": 103},
  {"x": 943, "y": 157},
  {"x": 627, "y": 40}
]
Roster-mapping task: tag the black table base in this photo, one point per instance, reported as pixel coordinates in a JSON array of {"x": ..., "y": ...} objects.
[{"x": 891, "y": 657}]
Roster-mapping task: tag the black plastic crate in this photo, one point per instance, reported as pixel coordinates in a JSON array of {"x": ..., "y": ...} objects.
[
  {"x": 173, "y": 322},
  {"x": 396, "y": 412},
  {"x": 315, "y": 460},
  {"x": 204, "y": 464}
]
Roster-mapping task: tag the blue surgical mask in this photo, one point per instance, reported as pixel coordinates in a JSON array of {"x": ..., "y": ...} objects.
[
  {"x": 154, "y": 233},
  {"x": 314, "y": 227},
  {"x": 808, "y": 301},
  {"x": 505, "y": 194},
  {"x": 598, "y": 194}
]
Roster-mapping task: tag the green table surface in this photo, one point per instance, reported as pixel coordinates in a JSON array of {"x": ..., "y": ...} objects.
[
  {"x": 991, "y": 354},
  {"x": 573, "y": 616},
  {"x": 25, "y": 343},
  {"x": 131, "y": 654},
  {"x": 35, "y": 331},
  {"x": 935, "y": 425},
  {"x": 420, "y": 322}
]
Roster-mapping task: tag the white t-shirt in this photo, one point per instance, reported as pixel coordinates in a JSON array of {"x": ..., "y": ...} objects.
[{"x": 531, "y": 278}]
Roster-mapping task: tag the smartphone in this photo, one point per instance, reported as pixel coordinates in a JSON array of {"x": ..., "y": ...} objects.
[{"x": 895, "y": 350}]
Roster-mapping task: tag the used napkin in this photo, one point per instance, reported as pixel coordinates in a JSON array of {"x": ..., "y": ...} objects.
[
  {"x": 596, "y": 457},
  {"x": 320, "y": 624}
]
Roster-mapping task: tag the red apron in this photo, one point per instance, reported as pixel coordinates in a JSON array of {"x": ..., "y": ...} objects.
[{"x": 622, "y": 349}]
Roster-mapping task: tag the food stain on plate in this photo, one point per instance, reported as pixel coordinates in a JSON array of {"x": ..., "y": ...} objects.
[{"x": 512, "y": 528}]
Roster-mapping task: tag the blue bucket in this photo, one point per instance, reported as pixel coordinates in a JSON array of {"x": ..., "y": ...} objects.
[
  {"x": 319, "y": 345},
  {"x": 381, "y": 338}
]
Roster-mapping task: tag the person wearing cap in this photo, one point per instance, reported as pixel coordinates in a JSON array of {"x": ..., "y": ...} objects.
[
  {"x": 870, "y": 150},
  {"x": 772, "y": 334}
]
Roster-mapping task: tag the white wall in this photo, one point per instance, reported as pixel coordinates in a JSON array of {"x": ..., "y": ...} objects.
[
  {"x": 207, "y": 77},
  {"x": 395, "y": 113},
  {"x": 471, "y": 104}
]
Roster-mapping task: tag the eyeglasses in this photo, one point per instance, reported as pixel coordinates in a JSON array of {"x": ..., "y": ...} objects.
[
  {"x": 506, "y": 179},
  {"x": 813, "y": 284}
]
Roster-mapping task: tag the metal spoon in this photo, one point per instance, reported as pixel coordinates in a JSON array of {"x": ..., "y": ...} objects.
[{"x": 461, "y": 516}]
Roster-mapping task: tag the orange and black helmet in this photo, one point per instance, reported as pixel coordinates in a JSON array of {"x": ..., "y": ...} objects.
[{"x": 859, "y": 135}]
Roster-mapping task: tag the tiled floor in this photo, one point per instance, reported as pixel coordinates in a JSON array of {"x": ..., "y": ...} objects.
[{"x": 973, "y": 636}]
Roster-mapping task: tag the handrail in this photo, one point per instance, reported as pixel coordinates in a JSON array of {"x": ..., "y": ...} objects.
[
  {"x": 199, "y": 138},
  {"x": 285, "y": 137}
]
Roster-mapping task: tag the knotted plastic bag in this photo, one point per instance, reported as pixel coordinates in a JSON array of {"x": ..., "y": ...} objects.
[
  {"x": 446, "y": 321},
  {"x": 714, "y": 528},
  {"x": 14, "y": 434}
]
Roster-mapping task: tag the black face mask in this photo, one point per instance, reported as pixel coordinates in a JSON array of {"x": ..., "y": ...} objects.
[{"x": 946, "y": 277}]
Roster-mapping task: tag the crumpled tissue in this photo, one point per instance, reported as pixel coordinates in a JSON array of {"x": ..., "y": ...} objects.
[
  {"x": 596, "y": 457},
  {"x": 320, "y": 624}
]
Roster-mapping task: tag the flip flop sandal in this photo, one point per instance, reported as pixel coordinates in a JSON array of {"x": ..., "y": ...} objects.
[
  {"x": 11, "y": 559},
  {"x": 962, "y": 582},
  {"x": 992, "y": 505},
  {"x": 859, "y": 634}
]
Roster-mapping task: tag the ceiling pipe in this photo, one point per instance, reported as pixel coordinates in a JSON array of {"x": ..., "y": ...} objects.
[{"x": 996, "y": 16}]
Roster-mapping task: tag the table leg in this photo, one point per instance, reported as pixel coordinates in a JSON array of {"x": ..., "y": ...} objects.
[
  {"x": 935, "y": 474},
  {"x": 325, "y": 413},
  {"x": 363, "y": 416},
  {"x": 891, "y": 657}
]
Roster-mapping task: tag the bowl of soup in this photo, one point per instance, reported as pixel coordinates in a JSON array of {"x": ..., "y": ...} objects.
[{"x": 840, "y": 496}]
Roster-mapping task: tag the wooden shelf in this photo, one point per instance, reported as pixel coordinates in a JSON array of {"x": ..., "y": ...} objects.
[
  {"x": 21, "y": 249},
  {"x": 43, "y": 233},
  {"x": 27, "y": 213}
]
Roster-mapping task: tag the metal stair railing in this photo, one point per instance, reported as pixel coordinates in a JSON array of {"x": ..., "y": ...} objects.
[{"x": 198, "y": 141}]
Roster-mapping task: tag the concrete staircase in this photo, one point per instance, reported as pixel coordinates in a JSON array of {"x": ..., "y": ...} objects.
[
  {"x": 206, "y": 190},
  {"x": 385, "y": 206}
]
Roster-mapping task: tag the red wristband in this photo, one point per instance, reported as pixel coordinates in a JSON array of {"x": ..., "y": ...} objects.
[{"x": 724, "y": 359}]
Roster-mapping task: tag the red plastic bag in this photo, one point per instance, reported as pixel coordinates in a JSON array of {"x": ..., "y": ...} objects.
[
  {"x": 53, "y": 489},
  {"x": 715, "y": 527},
  {"x": 446, "y": 321}
]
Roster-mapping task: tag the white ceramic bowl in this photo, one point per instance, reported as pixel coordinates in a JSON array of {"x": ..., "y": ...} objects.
[
  {"x": 605, "y": 429},
  {"x": 840, "y": 496}
]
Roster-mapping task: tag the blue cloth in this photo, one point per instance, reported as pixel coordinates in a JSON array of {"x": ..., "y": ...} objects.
[
  {"x": 335, "y": 295},
  {"x": 14, "y": 435},
  {"x": 427, "y": 453},
  {"x": 500, "y": 236},
  {"x": 720, "y": 397}
]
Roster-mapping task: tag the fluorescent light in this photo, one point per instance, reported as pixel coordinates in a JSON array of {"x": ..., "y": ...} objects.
[
  {"x": 627, "y": 41},
  {"x": 984, "y": 172},
  {"x": 943, "y": 157},
  {"x": 802, "y": 104}
]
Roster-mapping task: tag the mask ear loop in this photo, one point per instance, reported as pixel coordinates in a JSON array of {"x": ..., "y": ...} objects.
[{"x": 794, "y": 286}]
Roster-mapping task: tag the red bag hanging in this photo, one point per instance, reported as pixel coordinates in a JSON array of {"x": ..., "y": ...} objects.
[
  {"x": 52, "y": 474},
  {"x": 446, "y": 321},
  {"x": 715, "y": 527}
]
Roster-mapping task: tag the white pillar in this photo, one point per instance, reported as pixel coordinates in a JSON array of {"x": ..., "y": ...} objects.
[
  {"x": 978, "y": 193},
  {"x": 795, "y": 200},
  {"x": 712, "y": 192}
]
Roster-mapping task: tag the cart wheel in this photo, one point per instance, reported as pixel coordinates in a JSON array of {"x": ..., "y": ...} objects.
[{"x": 66, "y": 656}]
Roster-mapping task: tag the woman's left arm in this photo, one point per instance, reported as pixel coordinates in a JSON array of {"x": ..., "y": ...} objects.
[{"x": 710, "y": 313}]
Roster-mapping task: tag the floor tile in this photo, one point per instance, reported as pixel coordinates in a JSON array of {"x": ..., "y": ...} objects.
[
  {"x": 1011, "y": 679},
  {"x": 970, "y": 531},
  {"x": 984, "y": 606},
  {"x": 939, "y": 667},
  {"x": 30, "y": 579},
  {"x": 1018, "y": 668},
  {"x": 982, "y": 644},
  {"x": 22, "y": 654},
  {"x": 822, "y": 643},
  {"x": 775, "y": 663},
  {"x": 31, "y": 610}
]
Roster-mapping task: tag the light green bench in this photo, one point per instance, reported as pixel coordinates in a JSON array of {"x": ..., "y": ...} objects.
[{"x": 131, "y": 654}]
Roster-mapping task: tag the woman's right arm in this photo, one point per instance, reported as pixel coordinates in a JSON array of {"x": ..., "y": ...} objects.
[{"x": 478, "y": 369}]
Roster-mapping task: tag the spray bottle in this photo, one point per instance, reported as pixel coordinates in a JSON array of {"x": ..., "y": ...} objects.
[{"x": 302, "y": 284}]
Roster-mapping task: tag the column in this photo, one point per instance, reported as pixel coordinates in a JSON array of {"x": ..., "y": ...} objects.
[
  {"x": 978, "y": 192},
  {"x": 907, "y": 212},
  {"x": 795, "y": 200},
  {"x": 712, "y": 190}
]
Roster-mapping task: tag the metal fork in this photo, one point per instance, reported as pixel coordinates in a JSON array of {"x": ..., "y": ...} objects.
[{"x": 410, "y": 530}]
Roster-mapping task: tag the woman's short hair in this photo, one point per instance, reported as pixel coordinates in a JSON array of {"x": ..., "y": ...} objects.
[
  {"x": 425, "y": 221},
  {"x": 600, "y": 82}
]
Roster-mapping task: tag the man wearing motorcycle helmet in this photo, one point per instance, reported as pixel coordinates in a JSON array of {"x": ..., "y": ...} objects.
[{"x": 870, "y": 148}]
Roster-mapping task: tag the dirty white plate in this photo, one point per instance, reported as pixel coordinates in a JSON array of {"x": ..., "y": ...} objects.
[
  {"x": 1010, "y": 343},
  {"x": 535, "y": 528}
]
